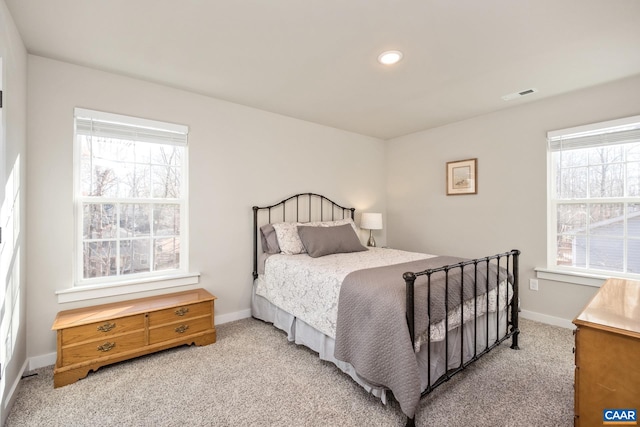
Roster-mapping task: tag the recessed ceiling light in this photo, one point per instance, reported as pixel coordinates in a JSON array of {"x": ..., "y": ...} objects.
[{"x": 390, "y": 57}]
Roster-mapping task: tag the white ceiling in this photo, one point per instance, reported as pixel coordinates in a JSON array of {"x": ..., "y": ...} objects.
[{"x": 316, "y": 59}]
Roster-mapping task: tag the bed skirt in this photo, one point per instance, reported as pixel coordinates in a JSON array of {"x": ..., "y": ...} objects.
[{"x": 302, "y": 334}]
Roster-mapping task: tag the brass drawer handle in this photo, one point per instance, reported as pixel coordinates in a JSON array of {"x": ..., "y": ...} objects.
[
  {"x": 182, "y": 311},
  {"x": 106, "y": 346},
  {"x": 182, "y": 328},
  {"x": 106, "y": 327}
]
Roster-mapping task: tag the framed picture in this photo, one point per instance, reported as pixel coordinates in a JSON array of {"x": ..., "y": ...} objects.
[{"x": 462, "y": 177}]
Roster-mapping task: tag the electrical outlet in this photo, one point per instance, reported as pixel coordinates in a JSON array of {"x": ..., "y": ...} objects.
[{"x": 533, "y": 284}]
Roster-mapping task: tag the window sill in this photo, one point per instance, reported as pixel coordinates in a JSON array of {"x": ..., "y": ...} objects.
[
  {"x": 81, "y": 293},
  {"x": 585, "y": 279}
]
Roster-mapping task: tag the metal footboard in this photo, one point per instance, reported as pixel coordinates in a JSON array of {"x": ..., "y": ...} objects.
[{"x": 509, "y": 261}]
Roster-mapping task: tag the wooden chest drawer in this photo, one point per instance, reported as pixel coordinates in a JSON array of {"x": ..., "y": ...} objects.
[
  {"x": 179, "y": 314},
  {"x": 102, "y": 330},
  {"x": 91, "y": 337},
  {"x": 100, "y": 348},
  {"x": 177, "y": 330}
]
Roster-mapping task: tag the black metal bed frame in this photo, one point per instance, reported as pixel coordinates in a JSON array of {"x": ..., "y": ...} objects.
[{"x": 511, "y": 264}]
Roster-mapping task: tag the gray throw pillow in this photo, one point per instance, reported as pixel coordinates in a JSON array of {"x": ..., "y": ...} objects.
[
  {"x": 321, "y": 241},
  {"x": 269, "y": 239}
]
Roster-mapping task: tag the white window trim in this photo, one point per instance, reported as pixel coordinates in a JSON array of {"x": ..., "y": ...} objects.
[
  {"x": 84, "y": 289},
  {"x": 102, "y": 290},
  {"x": 557, "y": 273}
]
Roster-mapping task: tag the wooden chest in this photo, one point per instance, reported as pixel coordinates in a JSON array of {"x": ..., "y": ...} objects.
[
  {"x": 607, "y": 347},
  {"x": 91, "y": 337}
]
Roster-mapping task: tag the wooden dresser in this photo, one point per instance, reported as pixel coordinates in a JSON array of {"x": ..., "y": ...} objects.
[
  {"x": 607, "y": 351},
  {"x": 91, "y": 337}
]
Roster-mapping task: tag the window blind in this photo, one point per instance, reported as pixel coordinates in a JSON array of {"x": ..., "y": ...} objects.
[
  {"x": 608, "y": 133},
  {"x": 107, "y": 125}
]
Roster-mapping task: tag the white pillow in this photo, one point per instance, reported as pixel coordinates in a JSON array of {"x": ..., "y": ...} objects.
[
  {"x": 289, "y": 240},
  {"x": 337, "y": 222}
]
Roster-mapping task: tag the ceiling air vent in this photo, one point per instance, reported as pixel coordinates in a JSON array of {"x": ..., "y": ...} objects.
[{"x": 519, "y": 94}]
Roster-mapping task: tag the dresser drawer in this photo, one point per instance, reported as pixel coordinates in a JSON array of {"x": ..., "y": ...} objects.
[
  {"x": 179, "y": 313},
  {"x": 180, "y": 329},
  {"x": 100, "y": 348},
  {"x": 91, "y": 337},
  {"x": 102, "y": 330}
]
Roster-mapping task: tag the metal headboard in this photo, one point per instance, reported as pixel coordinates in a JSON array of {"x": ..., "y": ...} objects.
[{"x": 303, "y": 207}]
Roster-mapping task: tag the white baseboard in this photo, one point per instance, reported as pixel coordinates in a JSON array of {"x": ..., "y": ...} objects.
[
  {"x": 232, "y": 317},
  {"x": 42, "y": 361},
  {"x": 545, "y": 318}
]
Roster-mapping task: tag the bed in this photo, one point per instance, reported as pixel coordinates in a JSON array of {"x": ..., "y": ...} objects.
[{"x": 397, "y": 322}]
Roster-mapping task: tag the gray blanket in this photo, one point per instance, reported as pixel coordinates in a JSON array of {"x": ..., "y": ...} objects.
[{"x": 371, "y": 330}]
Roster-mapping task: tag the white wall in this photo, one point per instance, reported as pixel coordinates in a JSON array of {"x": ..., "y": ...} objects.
[
  {"x": 239, "y": 157},
  {"x": 13, "y": 318},
  {"x": 509, "y": 211}
]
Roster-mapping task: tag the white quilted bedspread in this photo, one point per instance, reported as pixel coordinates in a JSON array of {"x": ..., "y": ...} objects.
[{"x": 309, "y": 287}]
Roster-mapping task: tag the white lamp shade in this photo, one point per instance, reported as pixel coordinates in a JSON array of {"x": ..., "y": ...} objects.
[{"x": 371, "y": 221}]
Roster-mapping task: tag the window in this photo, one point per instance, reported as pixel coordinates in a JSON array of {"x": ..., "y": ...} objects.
[
  {"x": 594, "y": 198},
  {"x": 131, "y": 198}
]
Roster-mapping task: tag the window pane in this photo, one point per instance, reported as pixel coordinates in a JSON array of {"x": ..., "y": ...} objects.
[
  {"x": 166, "y": 155},
  {"x": 143, "y": 152},
  {"x": 117, "y": 173},
  {"x": 606, "y": 253},
  {"x": 99, "y": 259},
  {"x": 134, "y": 220},
  {"x": 573, "y": 183},
  {"x": 572, "y": 251},
  {"x": 606, "y": 219},
  {"x": 126, "y": 254},
  {"x": 166, "y": 181},
  {"x": 166, "y": 220},
  {"x": 104, "y": 180},
  {"x": 633, "y": 256},
  {"x": 573, "y": 158},
  {"x": 633, "y": 179},
  {"x": 572, "y": 218},
  {"x": 99, "y": 221},
  {"x": 134, "y": 256},
  {"x": 125, "y": 176},
  {"x": 606, "y": 155},
  {"x": 606, "y": 180},
  {"x": 633, "y": 220},
  {"x": 135, "y": 181},
  {"x": 166, "y": 253},
  {"x": 86, "y": 182},
  {"x": 633, "y": 152}
]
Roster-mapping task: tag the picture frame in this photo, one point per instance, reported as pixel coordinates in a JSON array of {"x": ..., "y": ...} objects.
[{"x": 462, "y": 177}]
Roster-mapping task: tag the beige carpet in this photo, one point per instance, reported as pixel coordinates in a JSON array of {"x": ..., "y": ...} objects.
[{"x": 254, "y": 377}]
